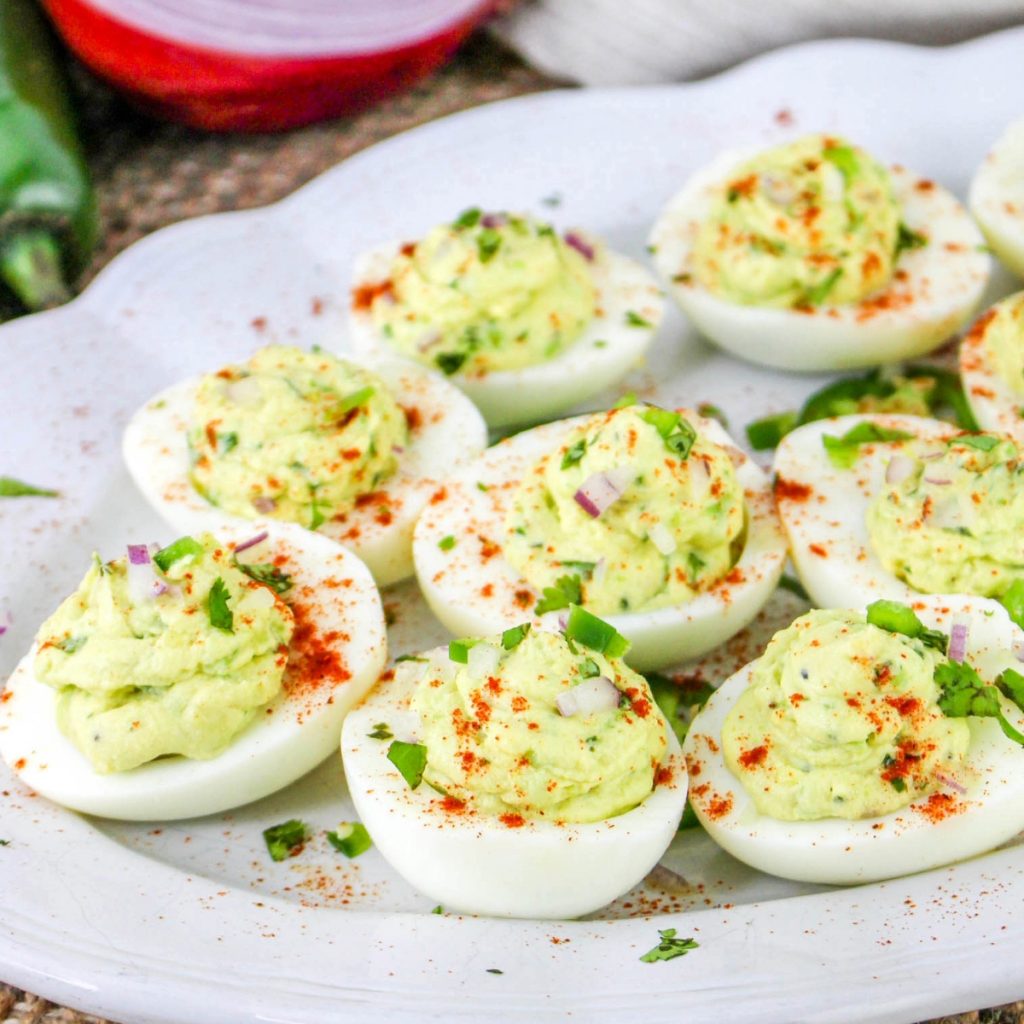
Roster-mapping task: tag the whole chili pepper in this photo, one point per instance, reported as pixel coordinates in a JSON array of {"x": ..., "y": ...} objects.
[{"x": 47, "y": 210}]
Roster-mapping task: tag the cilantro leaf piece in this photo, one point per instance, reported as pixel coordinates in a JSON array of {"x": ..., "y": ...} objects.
[
  {"x": 983, "y": 442},
  {"x": 446, "y": 543},
  {"x": 574, "y": 453},
  {"x": 488, "y": 242},
  {"x": 5, "y": 842},
  {"x": 712, "y": 412},
  {"x": 270, "y": 575},
  {"x": 900, "y": 618},
  {"x": 595, "y": 633},
  {"x": 356, "y": 399},
  {"x": 567, "y": 590},
  {"x": 71, "y": 644},
  {"x": 1013, "y": 602},
  {"x": 221, "y": 616},
  {"x": 495, "y": 970},
  {"x": 679, "y": 699},
  {"x": 438, "y": 909},
  {"x": 769, "y": 431},
  {"x": 634, "y": 319},
  {"x": 669, "y": 947},
  {"x": 628, "y": 399},
  {"x": 227, "y": 441},
  {"x": 689, "y": 818},
  {"x": 410, "y": 759},
  {"x": 583, "y": 568},
  {"x": 513, "y": 637},
  {"x": 183, "y": 547},
  {"x": 450, "y": 362},
  {"x": 351, "y": 840},
  {"x": 381, "y": 731},
  {"x": 965, "y": 693},
  {"x": 286, "y": 840},
  {"x": 908, "y": 239},
  {"x": 11, "y": 488},
  {"x": 845, "y": 159},
  {"x": 817, "y": 294},
  {"x": 1011, "y": 685},
  {"x": 794, "y": 586},
  {"x": 843, "y": 451},
  {"x": 468, "y": 218},
  {"x": 694, "y": 564}
]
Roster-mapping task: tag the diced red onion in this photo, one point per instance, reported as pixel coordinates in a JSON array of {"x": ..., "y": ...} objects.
[
  {"x": 143, "y": 582},
  {"x": 563, "y": 621},
  {"x": 482, "y": 659},
  {"x": 899, "y": 468},
  {"x": 601, "y": 490},
  {"x": 251, "y": 542},
  {"x": 492, "y": 220},
  {"x": 938, "y": 481},
  {"x": 428, "y": 340},
  {"x": 585, "y": 249},
  {"x": 264, "y": 504},
  {"x": 245, "y": 391},
  {"x": 398, "y": 449},
  {"x": 598, "y": 693},
  {"x": 958, "y": 641},
  {"x": 662, "y": 538},
  {"x": 948, "y": 780},
  {"x": 138, "y": 554},
  {"x": 930, "y": 454},
  {"x": 778, "y": 190}
]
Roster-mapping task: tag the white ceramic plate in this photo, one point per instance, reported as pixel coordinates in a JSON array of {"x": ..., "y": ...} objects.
[{"x": 193, "y": 922}]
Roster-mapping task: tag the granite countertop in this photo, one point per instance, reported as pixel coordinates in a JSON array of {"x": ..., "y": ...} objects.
[{"x": 150, "y": 174}]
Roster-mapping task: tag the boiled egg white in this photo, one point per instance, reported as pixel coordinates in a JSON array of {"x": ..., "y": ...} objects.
[
  {"x": 996, "y": 404},
  {"x": 444, "y": 430},
  {"x": 337, "y": 652},
  {"x": 928, "y": 833},
  {"x": 935, "y": 292},
  {"x": 996, "y": 197},
  {"x": 474, "y": 591},
  {"x": 478, "y": 863},
  {"x": 824, "y": 508},
  {"x": 629, "y": 310}
]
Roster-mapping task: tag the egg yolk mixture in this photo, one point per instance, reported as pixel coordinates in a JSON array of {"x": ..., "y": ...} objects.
[
  {"x": 811, "y": 222},
  {"x": 178, "y": 666},
  {"x": 294, "y": 435},
  {"x": 951, "y": 519},
  {"x": 495, "y": 736},
  {"x": 1004, "y": 340},
  {"x": 841, "y": 720},
  {"x": 635, "y": 509},
  {"x": 487, "y": 292}
]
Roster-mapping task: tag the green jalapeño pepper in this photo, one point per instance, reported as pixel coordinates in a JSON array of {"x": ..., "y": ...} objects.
[{"x": 47, "y": 210}]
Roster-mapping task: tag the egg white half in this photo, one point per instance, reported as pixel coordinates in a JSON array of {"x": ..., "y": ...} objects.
[
  {"x": 474, "y": 591},
  {"x": 331, "y": 666},
  {"x": 475, "y": 863},
  {"x": 996, "y": 406},
  {"x": 919, "y": 837},
  {"x": 824, "y": 509},
  {"x": 605, "y": 352},
  {"x": 446, "y": 430},
  {"x": 939, "y": 288},
  {"x": 996, "y": 197}
]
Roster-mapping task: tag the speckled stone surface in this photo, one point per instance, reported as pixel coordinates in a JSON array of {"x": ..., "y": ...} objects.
[{"x": 150, "y": 174}]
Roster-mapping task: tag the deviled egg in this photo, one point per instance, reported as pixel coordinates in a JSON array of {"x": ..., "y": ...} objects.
[
  {"x": 525, "y": 321},
  {"x": 864, "y": 746},
  {"x": 348, "y": 449},
  {"x": 528, "y": 774},
  {"x": 992, "y": 367},
  {"x": 813, "y": 256},
  {"x": 649, "y": 517},
  {"x": 897, "y": 506},
  {"x": 996, "y": 197},
  {"x": 183, "y": 680}
]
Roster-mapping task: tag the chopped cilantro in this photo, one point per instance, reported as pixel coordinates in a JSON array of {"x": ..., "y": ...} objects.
[
  {"x": 574, "y": 453},
  {"x": 907, "y": 239},
  {"x": 268, "y": 574},
  {"x": 481, "y": 486},
  {"x": 983, "y": 442},
  {"x": 408, "y": 657},
  {"x": 898, "y": 784},
  {"x": 676, "y": 432},
  {"x": 438, "y": 909},
  {"x": 678, "y": 699},
  {"x": 446, "y": 543},
  {"x": 467, "y": 219},
  {"x": 227, "y": 441},
  {"x": 769, "y": 431},
  {"x": 900, "y": 618},
  {"x": 817, "y": 294},
  {"x": 795, "y": 587},
  {"x": 183, "y": 547},
  {"x": 965, "y": 693},
  {"x": 488, "y": 242},
  {"x": 712, "y": 412},
  {"x": 689, "y": 818},
  {"x": 513, "y": 637},
  {"x": 567, "y": 590},
  {"x": 844, "y": 158},
  {"x": 583, "y": 568},
  {"x": 410, "y": 759},
  {"x": 589, "y": 668},
  {"x": 221, "y": 616},
  {"x": 351, "y": 839},
  {"x": 71, "y": 644},
  {"x": 381, "y": 731},
  {"x": 595, "y": 633},
  {"x": 1013, "y": 602},
  {"x": 634, "y": 319},
  {"x": 669, "y": 947},
  {"x": 450, "y": 362},
  {"x": 11, "y": 488},
  {"x": 694, "y": 564},
  {"x": 843, "y": 451},
  {"x": 5, "y": 842},
  {"x": 356, "y": 399},
  {"x": 286, "y": 840},
  {"x": 628, "y": 399}
]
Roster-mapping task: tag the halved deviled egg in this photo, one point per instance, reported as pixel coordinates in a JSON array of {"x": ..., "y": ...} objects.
[
  {"x": 862, "y": 747},
  {"x": 649, "y": 517},
  {"x": 525, "y": 321},
  {"x": 528, "y": 774},
  {"x": 996, "y": 197},
  {"x": 350, "y": 449},
  {"x": 992, "y": 367},
  {"x": 812, "y": 256},
  {"x": 188, "y": 679},
  {"x": 896, "y": 506}
]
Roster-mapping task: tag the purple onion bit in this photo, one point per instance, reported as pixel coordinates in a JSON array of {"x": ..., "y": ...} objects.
[
  {"x": 493, "y": 220},
  {"x": 958, "y": 641},
  {"x": 138, "y": 554},
  {"x": 251, "y": 542},
  {"x": 585, "y": 249},
  {"x": 264, "y": 504}
]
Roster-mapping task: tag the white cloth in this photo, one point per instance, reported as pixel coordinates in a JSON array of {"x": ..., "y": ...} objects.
[{"x": 630, "y": 42}]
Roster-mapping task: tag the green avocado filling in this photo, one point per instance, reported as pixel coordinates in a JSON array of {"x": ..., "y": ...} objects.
[
  {"x": 292, "y": 434},
  {"x": 843, "y": 719},
  {"x": 487, "y": 292},
  {"x": 951, "y": 521},
  {"x": 182, "y": 672},
  {"x": 1004, "y": 340},
  {"x": 675, "y": 529},
  {"x": 813, "y": 222},
  {"x": 493, "y": 734}
]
